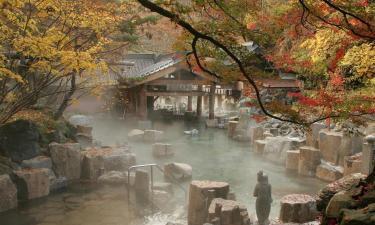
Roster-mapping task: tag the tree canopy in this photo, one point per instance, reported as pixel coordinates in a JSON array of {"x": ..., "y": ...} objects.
[
  {"x": 50, "y": 47},
  {"x": 328, "y": 44}
]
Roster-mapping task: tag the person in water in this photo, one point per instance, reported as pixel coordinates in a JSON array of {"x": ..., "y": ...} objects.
[{"x": 263, "y": 202}]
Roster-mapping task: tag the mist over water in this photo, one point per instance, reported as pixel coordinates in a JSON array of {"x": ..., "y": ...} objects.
[{"x": 213, "y": 156}]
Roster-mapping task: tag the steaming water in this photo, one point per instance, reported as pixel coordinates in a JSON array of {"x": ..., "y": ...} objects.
[{"x": 212, "y": 155}]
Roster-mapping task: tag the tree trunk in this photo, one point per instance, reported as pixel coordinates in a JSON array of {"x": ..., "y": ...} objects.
[{"x": 67, "y": 97}]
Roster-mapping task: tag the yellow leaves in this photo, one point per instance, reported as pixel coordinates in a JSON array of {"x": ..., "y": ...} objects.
[
  {"x": 361, "y": 59},
  {"x": 6, "y": 73},
  {"x": 323, "y": 44}
]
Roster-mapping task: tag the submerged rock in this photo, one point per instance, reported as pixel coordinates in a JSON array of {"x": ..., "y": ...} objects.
[
  {"x": 179, "y": 171},
  {"x": 113, "y": 177}
]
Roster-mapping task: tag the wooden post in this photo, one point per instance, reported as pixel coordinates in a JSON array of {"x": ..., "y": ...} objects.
[
  {"x": 199, "y": 102},
  {"x": 142, "y": 109},
  {"x": 190, "y": 104},
  {"x": 211, "y": 102}
]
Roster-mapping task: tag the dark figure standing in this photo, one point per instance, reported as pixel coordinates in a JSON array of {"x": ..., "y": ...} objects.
[{"x": 262, "y": 192}]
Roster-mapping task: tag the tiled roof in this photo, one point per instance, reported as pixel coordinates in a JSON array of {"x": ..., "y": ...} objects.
[{"x": 140, "y": 65}]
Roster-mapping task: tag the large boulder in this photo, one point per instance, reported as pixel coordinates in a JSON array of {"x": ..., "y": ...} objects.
[
  {"x": 353, "y": 164},
  {"x": 66, "y": 159},
  {"x": 37, "y": 162},
  {"x": 365, "y": 216},
  {"x": 256, "y": 133},
  {"x": 329, "y": 172},
  {"x": 335, "y": 146},
  {"x": 119, "y": 159},
  {"x": 276, "y": 148},
  {"x": 8, "y": 193},
  {"x": 341, "y": 200},
  {"x": 309, "y": 159},
  {"x": 292, "y": 160},
  {"x": 228, "y": 212},
  {"x": 92, "y": 163},
  {"x": 19, "y": 140},
  {"x": 7, "y": 166},
  {"x": 201, "y": 194},
  {"x": 343, "y": 184},
  {"x": 32, "y": 183},
  {"x": 297, "y": 208},
  {"x": 179, "y": 171},
  {"x": 312, "y": 137}
]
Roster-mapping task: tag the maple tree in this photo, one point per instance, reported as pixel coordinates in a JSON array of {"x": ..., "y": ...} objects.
[
  {"x": 56, "y": 47},
  {"x": 329, "y": 44}
]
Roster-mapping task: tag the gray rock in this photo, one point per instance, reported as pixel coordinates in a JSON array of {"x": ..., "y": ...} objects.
[
  {"x": 365, "y": 216},
  {"x": 343, "y": 184},
  {"x": 179, "y": 171},
  {"x": 8, "y": 193},
  {"x": 32, "y": 183},
  {"x": 19, "y": 140},
  {"x": 297, "y": 208},
  {"x": 66, "y": 159},
  {"x": 37, "y": 162},
  {"x": 81, "y": 120},
  {"x": 119, "y": 160}
]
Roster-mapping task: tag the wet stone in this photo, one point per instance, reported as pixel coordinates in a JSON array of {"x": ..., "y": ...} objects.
[
  {"x": 328, "y": 172},
  {"x": 66, "y": 159},
  {"x": 37, "y": 162},
  {"x": 162, "y": 150},
  {"x": 8, "y": 193},
  {"x": 201, "y": 193},
  {"x": 32, "y": 183},
  {"x": 292, "y": 159},
  {"x": 297, "y": 208},
  {"x": 309, "y": 159}
]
